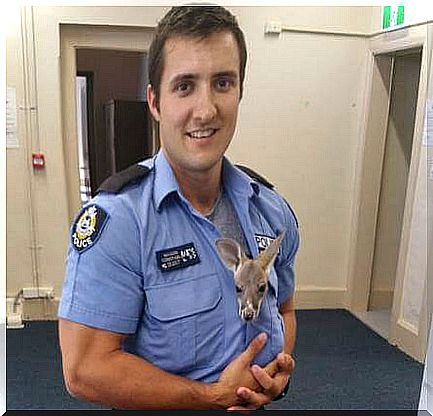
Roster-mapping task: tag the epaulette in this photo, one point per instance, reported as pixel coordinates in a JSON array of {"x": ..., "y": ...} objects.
[
  {"x": 255, "y": 176},
  {"x": 115, "y": 183},
  {"x": 266, "y": 183}
]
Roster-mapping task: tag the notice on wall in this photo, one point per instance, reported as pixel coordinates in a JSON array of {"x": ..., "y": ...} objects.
[{"x": 11, "y": 118}]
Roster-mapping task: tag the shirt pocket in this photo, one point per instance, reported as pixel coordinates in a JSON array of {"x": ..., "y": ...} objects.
[{"x": 184, "y": 321}]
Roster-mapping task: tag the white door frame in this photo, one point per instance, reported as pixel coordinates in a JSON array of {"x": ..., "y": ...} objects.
[
  {"x": 73, "y": 37},
  {"x": 411, "y": 340}
]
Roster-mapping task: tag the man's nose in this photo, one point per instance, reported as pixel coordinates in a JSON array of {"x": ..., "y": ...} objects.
[{"x": 205, "y": 109}]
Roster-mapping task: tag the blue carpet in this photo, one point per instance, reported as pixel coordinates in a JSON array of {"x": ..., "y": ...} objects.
[{"x": 340, "y": 364}]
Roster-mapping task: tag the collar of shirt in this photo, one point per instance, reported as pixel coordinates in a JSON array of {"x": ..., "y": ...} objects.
[{"x": 165, "y": 182}]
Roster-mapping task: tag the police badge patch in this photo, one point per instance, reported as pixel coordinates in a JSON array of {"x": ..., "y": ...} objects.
[{"x": 88, "y": 227}]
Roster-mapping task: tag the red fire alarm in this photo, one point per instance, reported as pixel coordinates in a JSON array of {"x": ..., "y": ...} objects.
[{"x": 38, "y": 160}]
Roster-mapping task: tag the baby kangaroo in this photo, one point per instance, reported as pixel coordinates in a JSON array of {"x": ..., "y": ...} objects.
[{"x": 251, "y": 275}]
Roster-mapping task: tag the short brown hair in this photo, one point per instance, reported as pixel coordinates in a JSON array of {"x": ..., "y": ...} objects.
[{"x": 194, "y": 21}]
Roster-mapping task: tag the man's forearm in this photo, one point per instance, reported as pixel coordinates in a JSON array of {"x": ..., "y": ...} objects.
[
  {"x": 124, "y": 381},
  {"x": 289, "y": 317}
]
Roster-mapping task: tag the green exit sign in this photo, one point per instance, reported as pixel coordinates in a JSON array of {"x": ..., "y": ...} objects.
[{"x": 392, "y": 16}]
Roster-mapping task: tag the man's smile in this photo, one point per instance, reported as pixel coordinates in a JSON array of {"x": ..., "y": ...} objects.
[{"x": 201, "y": 134}]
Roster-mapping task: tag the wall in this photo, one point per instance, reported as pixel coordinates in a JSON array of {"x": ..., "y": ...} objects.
[
  {"x": 429, "y": 175},
  {"x": 299, "y": 126},
  {"x": 19, "y": 207},
  {"x": 417, "y": 286}
]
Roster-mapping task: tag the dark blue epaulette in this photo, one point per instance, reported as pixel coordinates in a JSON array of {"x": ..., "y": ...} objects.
[
  {"x": 115, "y": 183},
  {"x": 265, "y": 182},
  {"x": 256, "y": 176}
]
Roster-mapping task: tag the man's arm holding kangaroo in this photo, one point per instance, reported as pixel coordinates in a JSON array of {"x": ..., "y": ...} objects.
[
  {"x": 272, "y": 386},
  {"x": 96, "y": 369}
]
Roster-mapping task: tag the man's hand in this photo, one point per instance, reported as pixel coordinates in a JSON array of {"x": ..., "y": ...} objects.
[
  {"x": 238, "y": 373},
  {"x": 272, "y": 380}
]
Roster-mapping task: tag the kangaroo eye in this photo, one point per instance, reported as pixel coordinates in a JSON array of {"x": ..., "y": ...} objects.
[
  {"x": 238, "y": 289},
  {"x": 262, "y": 288}
]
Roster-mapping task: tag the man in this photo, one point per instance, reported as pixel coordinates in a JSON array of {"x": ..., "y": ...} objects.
[{"x": 148, "y": 315}]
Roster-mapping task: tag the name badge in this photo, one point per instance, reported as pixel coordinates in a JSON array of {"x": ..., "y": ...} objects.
[
  {"x": 263, "y": 242},
  {"x": 177, "y": 257}
]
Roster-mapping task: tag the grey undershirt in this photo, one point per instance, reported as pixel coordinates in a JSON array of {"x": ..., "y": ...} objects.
[{"x": 224, "y": 217}]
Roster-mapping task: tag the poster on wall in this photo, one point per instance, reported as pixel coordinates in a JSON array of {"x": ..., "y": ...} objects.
[{"x": 11, "y": 118}]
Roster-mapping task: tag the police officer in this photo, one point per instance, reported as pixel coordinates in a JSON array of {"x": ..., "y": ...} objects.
[{"x": 148, "y": 316}]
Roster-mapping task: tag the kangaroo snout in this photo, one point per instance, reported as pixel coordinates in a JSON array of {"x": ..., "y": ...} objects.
[{"x": 248, "y": 314}]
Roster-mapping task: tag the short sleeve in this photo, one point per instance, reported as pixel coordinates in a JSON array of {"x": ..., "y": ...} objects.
[
  {"x": 103, "y": 282},
  {"x": 285, "y": 267}
]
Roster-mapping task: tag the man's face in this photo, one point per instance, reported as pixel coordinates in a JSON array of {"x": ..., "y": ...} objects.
[{"x": 199, "y": 99}]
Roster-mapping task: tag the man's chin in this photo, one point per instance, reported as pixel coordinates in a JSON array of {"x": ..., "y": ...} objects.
[{"x": 202, "y": 165}]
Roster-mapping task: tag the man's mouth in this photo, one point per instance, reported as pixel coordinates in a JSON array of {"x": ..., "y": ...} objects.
[{"x": 201, "y": 134}]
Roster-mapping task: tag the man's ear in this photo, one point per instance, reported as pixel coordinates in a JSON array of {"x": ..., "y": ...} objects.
[{"x": 151, "y": 101}]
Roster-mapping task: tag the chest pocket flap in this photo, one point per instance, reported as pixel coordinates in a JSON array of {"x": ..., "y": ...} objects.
[{"x": 184, "y": 298}]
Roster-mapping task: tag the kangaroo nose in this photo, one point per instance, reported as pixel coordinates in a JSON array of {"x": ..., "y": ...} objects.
[{"x": 248, "y": 315}]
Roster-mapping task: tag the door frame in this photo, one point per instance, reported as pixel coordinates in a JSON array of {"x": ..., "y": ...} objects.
[
  {"x": 81, "y": 36},
  {"x": 89, "y": 75},
  {"x": 371, "y": 153}
]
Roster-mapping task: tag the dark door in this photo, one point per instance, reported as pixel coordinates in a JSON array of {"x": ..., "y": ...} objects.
[{"x": 129, "y": 135}]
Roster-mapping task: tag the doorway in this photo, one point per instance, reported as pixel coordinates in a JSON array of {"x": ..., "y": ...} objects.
[
  {"x": 78, "y": 45},
  {"x": 403, "y": 95},
  {"x": 114, "y": 127}
]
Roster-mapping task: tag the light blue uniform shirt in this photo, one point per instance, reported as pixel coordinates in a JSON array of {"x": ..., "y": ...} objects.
[{"x": 150, "y": 269}]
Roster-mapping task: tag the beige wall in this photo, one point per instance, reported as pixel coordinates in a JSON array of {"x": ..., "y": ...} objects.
[
  {"x": 299, "y": 126},
  {"x": 18, "y": 207},
  {"x": 417, "y": 286},
  {"x": 429, "y": 205}
]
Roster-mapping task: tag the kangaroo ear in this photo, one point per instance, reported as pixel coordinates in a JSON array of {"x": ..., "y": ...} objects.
[
  {"x": 230, "y": 251},
  {"x": 268, "y": 257}
]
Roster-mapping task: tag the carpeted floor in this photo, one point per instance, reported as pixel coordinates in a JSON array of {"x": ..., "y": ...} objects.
[{"x": 340, "y": 364}]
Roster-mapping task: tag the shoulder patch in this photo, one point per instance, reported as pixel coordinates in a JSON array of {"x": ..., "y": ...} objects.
[
  {"x": 88, "y": 227},
  {"x": 115, "y": 183},
  {"x": 256, "y": 176}
]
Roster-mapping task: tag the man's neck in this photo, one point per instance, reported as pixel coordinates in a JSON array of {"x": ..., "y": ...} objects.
[{"x": 200, "y": 188}]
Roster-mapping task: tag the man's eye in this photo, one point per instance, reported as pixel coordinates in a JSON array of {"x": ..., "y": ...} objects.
[
  {"x": 224, "y": 84},
  {"x": 183, "y": 87}
]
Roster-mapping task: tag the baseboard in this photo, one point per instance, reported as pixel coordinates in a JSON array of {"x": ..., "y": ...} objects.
[
  {"x": 407, "y": 339},
  {"x": 305, "y": 298},
  {"x": 40, "y": 309},
  {"x": 381, "y": 299},
  {"x": 320, "y": 298}
]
